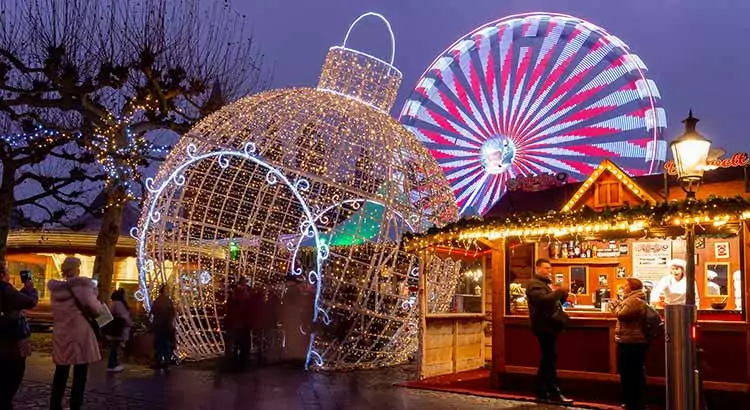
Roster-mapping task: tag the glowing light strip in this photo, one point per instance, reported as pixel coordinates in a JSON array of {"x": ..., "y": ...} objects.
[
  {"x": 349, "y": 97},
  {"x": 387, "y": 24},
  {"x": 307, "y": 226}
]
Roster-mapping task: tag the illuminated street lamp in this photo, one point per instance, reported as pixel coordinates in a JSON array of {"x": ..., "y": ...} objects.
[{"x": 690, "y": 152}]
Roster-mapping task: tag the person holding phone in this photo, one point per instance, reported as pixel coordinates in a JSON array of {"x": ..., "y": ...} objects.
[{"x": 14, "y": 335}]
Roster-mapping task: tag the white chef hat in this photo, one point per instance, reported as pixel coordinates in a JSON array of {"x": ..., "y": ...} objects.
[
  {"x": 711, "y": 275},
  {"x": 678, "y": 262}
]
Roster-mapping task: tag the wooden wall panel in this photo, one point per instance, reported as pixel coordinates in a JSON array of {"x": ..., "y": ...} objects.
[{"x": 453, "y": 344}]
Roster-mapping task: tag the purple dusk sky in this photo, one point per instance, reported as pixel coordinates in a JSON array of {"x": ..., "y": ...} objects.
[{"x": 697, "y": 51}]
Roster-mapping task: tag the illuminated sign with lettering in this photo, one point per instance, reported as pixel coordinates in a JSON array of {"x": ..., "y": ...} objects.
[{"x": 738, "y": 159}]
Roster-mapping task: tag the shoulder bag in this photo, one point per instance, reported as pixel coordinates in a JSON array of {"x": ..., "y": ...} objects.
[{"x": 86, "y": 315}]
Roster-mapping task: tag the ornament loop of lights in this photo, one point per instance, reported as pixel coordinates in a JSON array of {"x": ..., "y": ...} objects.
[
  {"x": 307, "y": 228},
  {"x": 388, "y": 26},
  {"x": 365, "y": 78}
]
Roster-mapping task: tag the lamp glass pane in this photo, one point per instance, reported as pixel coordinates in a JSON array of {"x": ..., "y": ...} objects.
[{"x": 690, "y": 157}]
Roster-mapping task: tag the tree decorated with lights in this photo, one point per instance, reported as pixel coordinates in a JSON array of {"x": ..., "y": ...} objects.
[
  {"x": 42, "y": 176},
  {"x": 315, "y": 183},
  {"x": 112, "y": 76}
]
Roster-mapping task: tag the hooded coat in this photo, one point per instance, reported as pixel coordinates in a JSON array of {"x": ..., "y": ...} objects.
[
  {"x": 73, "y": 340},
  {"x": 631, "y": 317}
]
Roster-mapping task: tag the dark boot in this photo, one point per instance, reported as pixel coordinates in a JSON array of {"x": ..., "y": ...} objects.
[{"x": 556, "y": 396}]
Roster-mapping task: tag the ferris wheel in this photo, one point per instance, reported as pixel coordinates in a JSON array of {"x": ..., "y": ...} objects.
[{"x": 535, "y": 94}]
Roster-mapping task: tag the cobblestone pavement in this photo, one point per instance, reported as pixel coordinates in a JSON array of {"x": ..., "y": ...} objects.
[{"x": 199, "y": 387}]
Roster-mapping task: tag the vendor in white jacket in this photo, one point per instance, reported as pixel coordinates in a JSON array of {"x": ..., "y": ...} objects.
[{"x": 672, "y": 287}]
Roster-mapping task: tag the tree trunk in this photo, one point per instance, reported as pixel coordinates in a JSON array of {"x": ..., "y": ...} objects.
[
  {"x": 7, "y": 203},
  {"x": 106, "y": 241}
]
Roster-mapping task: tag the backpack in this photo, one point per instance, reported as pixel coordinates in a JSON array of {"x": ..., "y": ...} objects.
[{"x": 653, "y": 325}]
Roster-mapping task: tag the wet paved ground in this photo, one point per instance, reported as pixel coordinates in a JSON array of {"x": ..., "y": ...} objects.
[{"x": 275, "y": 388}]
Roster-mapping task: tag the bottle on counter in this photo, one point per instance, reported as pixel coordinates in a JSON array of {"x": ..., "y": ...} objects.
[
  {"x": 589, "y": 251},
  {"x": 623, "y": 248},
  {"x": 564, "y": 250},
  {"x": 594, "y": 252},
  {"x": 577, "y": 250},
  {"x": 555, "y": 250}
]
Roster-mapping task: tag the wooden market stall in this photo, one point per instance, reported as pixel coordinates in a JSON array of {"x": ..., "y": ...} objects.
[{"x": 596, "y": 233}]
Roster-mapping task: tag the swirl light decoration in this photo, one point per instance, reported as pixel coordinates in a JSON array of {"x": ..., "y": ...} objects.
[
  {"x": 317, "y": 182},
  {"x": 530, "y": 94}
]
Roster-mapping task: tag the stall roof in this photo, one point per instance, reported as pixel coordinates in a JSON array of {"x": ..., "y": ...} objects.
[
  {"x": 541, "y": 210},
  {"x": 553, "y": 199}
]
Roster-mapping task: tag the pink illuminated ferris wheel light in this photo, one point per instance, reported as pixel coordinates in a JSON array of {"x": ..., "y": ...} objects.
[{"x": 531, "y": 94}]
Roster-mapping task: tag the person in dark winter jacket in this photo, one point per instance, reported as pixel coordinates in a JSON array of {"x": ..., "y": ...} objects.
[
  {"x": 14, "y": 334},
  {"x": 237, "y": 325},
  {"x": 547, "y": 321},
  {"x": 632, "y": 345},
  {"x": 163, "y": 315},
  {"x": 122, "y": 323}
]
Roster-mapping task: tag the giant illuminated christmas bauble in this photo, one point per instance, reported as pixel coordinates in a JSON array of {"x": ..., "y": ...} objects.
[{"x": 320, "y": 183}]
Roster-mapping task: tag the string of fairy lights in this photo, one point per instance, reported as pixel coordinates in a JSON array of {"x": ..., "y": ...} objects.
[
  {"x": 117, "y": 149},
  {"x": 339, "y": 139},
  {"x": 39, "y": 135},
  {"x": 120, "y": 152}
]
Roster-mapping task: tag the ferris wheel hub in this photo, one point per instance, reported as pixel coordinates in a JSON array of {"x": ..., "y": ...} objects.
[{"x": 497, "y": 154}]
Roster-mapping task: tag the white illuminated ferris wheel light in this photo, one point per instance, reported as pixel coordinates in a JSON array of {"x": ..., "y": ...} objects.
[{"x": 535, "y": 93}]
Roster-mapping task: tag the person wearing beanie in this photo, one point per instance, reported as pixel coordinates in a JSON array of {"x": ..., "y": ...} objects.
[{"x": 673, "y": 287}]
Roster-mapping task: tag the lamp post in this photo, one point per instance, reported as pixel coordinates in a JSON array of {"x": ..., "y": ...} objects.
[{"x": 690, "y": 152}]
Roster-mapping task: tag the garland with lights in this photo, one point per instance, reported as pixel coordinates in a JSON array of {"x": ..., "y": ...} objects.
[{"x": 714, "y": 210}]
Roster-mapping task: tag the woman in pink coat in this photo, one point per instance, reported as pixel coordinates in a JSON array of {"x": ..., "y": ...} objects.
[{"x": 73, "y": 340}]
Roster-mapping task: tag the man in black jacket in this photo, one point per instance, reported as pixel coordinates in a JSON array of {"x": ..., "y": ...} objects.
[{"x": 547, "y": 321}]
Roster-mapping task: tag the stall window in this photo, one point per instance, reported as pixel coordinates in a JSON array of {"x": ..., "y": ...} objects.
[
  {"x": 519, "y": 270},
  {"x": 455, "y": 284}
]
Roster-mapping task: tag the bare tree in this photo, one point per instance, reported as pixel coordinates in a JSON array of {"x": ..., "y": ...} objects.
[{"x": 106, "y": 73}]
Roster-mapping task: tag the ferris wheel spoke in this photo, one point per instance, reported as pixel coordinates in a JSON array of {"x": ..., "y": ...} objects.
[
  {"x": 459, "y": 146},
  {"x": 480, "y": 186},
  {"x": 464, "y": 188},
  {"x": 596, "y": 114},
  {"x": 445, "y": 103},
  {"x": 521, "y": 77},
  {"x": 430, "y": 134},
  {"x": 451, "y": 162},
  {"x": 566, "y": 55},
  {"x": 435, "y": 121},
  {"x": 460, "y": 172},
  {"x": 541, "y": 69},
  {"x": 458, "y": 86},
  {"x": 584, "y": 62},
  {"x": 483, "y": 53},
  {"x": 495, "y": 191},
  {"x": 601, "y": 86},
  {"x": 478, "y": 56},
  {"x": 505, "y": 59}
]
